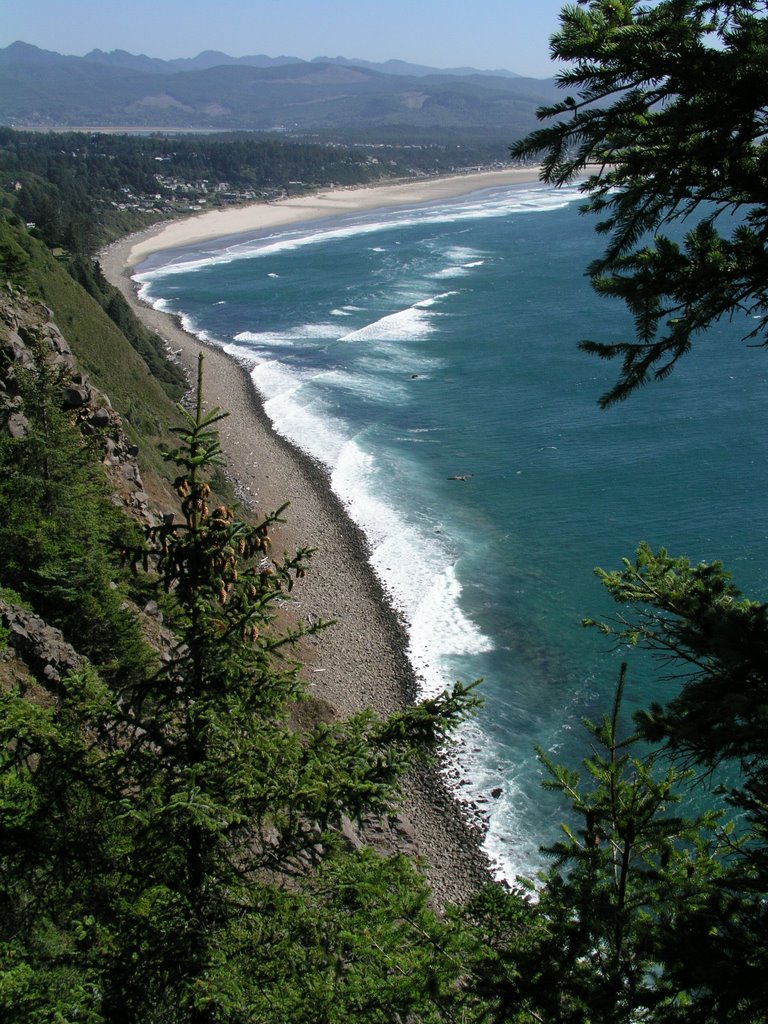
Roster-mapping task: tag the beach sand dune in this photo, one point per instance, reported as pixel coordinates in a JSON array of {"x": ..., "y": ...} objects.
[{"x": 360, "y": 661}]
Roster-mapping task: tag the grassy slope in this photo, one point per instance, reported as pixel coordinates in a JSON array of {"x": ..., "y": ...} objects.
[{"x": 106, "y": 357}]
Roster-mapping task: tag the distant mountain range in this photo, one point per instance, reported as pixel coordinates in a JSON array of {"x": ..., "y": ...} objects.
[
  {"x": 24, "y": 53},
  {"x": 214, "y": 91}
]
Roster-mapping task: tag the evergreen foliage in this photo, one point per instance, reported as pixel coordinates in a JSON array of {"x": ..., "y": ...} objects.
[
  {"x": 14, "y": 255},
  {"x": 713, "y": 642},
  {"x": 601, "y": 941},
  {"x": 60, "y": 841},
  {"x": 173, "y": 848},
  {"x": 667, "y": 117},
  {"x": 58, "y": 526}
]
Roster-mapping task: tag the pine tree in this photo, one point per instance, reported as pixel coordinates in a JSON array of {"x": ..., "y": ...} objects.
[
  {"x": 713, "y": 643},
  {"x": 228, "y": 818},
  {"x": 614, "y": 907},
  {"x": 61, "y": 839},
  {"x": 666, "y": 117},
  {"x": 192, "y": 837}
]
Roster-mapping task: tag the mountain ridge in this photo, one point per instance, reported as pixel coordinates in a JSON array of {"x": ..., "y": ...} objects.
[
  {"x": 217, "y": 58},
  {"x": 334, "y": 96}
]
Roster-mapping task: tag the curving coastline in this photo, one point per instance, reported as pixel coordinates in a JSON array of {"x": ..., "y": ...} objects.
[{"x": 360, "y": 662}]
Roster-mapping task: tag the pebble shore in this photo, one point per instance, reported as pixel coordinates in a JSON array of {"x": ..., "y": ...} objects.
[{"x": 360, "y": 661}]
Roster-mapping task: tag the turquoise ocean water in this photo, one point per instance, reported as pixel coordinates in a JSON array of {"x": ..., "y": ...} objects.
[{"x": 404, "y": 348}]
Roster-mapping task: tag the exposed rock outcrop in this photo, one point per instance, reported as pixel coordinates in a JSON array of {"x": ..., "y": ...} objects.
[
  {"x": 42, "y": 647},
  {"x": 27, "y": 335},
  {"x": 27, "y": 329}
]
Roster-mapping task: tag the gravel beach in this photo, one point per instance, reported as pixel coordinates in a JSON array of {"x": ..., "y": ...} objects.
[{"x": 360, "y": 661}]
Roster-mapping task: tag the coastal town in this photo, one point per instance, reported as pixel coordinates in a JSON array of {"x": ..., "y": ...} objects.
[{"x": 177, "y": 196}]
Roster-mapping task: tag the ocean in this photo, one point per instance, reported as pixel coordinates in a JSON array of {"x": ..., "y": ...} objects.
[{"x": 426, "y": 356}]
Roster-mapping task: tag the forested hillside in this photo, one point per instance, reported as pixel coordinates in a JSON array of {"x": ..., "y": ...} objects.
[
  {"x": 156, "y": 801},
  {"x": 78, "y": 191},
  {"x": 175, "y": 848}
]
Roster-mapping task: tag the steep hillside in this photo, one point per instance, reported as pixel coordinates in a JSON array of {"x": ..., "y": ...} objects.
[
  {"x": 148, "y": 677},
  {"x": 100, "y": 347}
]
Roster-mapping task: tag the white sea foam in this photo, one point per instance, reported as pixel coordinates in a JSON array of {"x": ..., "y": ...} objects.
[
  {"x": 457, "y": 269},
  {"x": 424, "y": 435},
  {"x": 375, "y": 389},
  {"x": 463, "y": 255},
  {"x": 406, "y": 324},
  {"x": 189, "y": 325},
  {"x": 497, "y": 203},
  {"x": 418, "y": 440},
  {"x": 397, "y": 358},
  {"x": 353, "y": 479},
  {"x": 289, "y": 337},
  {"x": 312, "y": 430},
  {"x": 145, "y": 295},
  {"x": 450, "y": 272},
  {"x": 461, "y": 261},
  {"x": 272, "y": 378},
  {"x": 440, "y": 628},
  {"x": 416, "y": 568},
  {"x": 475, "y": 770},
  {"x": 433, "y": 300}
]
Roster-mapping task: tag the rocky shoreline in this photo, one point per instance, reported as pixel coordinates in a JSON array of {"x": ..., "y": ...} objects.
[{"x": 360, "y": 661}]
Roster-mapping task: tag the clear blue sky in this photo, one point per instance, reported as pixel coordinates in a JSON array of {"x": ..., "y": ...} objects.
[{"x": 487, "y": 34}]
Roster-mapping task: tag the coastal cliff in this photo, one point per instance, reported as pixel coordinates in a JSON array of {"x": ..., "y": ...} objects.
[{"x": 357, "y": 663}]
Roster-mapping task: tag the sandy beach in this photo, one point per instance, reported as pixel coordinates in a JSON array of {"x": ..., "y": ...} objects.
[
  {"x": 359, "y": 662},
  {"x": 329, "y": 203}
]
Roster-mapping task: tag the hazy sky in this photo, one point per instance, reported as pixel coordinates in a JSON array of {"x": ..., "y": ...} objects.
[{"x": 487, "y": 34}]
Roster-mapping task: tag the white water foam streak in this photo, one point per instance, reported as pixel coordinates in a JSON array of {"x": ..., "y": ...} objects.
[
  {"x": 407, "y": 325},
  {"x": 485, "y": 785},
  {"x": 416, "y": 568},
  {"x": 499, "y": 203}
]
